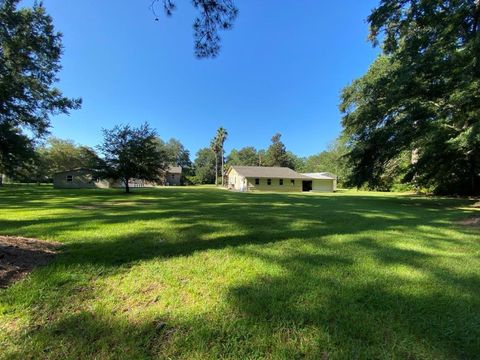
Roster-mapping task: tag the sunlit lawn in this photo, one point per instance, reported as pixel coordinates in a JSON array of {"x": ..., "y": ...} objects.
[{"x": 187, "y": 273}]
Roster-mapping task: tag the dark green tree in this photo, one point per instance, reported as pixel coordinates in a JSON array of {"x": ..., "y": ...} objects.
[
  {"x": 132, "y": 153},
  {"x": 246, "y": 156},
  {"x": 295, "y": 162},
  {"x": 177, "y": 154},
  {"x": 421, "y": 95},
  {"x": 204, "y": 166},
  {"x": 16, "y": 151},
  {"x": 333, "y": 160},
  {"x": 214, "y": 15},
  {"x": 276, "y": 154},
  {"x": 30, "y": 51},
  {"x": 60, "y": 155}
]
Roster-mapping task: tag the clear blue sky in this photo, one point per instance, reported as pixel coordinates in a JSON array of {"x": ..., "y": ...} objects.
[{"x": 281, "y": 69}]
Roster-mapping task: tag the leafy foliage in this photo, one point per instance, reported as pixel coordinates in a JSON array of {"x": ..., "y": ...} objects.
[
  {"x": 204, "y": 165},
  {"x": 332, "y": 160},
  {"x": 217, "y": 146},
  {"x": 214, "y": 15},
  {"x": 16, "y": 151},
  {"x": 176, "y": 153},
  {"x": 276, "y": 154},
  {"x": 61, "y": 155},
  {"x": 246, "y": 156},
  {"x": 422, "y": 94},
  {"x": 30, "y": 52},
  {"x": 132, "y": 153}
]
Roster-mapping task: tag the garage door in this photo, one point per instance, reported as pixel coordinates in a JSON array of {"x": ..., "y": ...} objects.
[{"x": 322, "y": 185}]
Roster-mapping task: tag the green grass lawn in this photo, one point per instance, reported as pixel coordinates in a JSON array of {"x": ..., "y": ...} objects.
[{"x": 186, "y": 273}]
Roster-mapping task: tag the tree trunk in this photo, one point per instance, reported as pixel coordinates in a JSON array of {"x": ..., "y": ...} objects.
[
  {"x": 127, "y": 187},
  {"x": 473, "y": 177},
  {"x": 222, "y": 168},
  {"x": 476, "y": 15},
  {"x": 216, "y": 169}
]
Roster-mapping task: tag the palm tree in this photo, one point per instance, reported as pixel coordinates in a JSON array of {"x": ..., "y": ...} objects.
[
  {"x": 221, "y": 138},
  {"x": 214, "y": 145}
]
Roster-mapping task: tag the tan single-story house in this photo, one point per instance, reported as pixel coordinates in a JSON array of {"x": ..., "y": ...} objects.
[
  {"x": 263, "y": 178},
  {"x": 80, "y": 178},
  {"x": 83, "y": 178}
]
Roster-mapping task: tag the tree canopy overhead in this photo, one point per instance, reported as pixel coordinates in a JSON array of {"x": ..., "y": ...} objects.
[
  {"x": 421, "y": 95},
  {"x": 214, "y": 15}
]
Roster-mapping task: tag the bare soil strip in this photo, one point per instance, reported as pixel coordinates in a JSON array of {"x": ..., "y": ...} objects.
[
  {"x": 472, "y": 221},
  {"x": 19, "y": 256}
]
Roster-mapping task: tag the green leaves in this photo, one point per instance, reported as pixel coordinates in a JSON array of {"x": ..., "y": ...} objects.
[
  {"x": 214, "y": 15},
  {"x": 30, "y": 51},
  {"x": 132, "y": 153},
  {"x": 421, "y": 94}
]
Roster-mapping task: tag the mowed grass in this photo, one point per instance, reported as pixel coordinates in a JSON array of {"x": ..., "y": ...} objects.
[{"x": 187, "y": 273}]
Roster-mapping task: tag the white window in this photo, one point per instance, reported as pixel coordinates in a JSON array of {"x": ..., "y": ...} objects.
[{"x": 69, "y": 178}]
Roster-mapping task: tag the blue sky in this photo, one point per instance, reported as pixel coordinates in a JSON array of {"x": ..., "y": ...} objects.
[{"x": 281, "y": 69}]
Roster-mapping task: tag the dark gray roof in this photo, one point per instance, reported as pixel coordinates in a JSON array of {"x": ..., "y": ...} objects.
[
  {"x": 174, "y": 169},
  {"x": 268, "y": 172},
  {"x": 72, "y": 170}
]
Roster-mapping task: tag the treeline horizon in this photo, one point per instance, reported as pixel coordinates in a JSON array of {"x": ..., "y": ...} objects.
[
  {"x": 55, "y": 155},
  {"x": 412, "y": 121}
]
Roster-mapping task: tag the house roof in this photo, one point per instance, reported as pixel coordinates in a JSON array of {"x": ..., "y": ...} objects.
[
  {"x": 174, "y": 169},
  {"x": 268, "y": 172},
  {"x": 321, "y": 175},
  {"x": 71, "y": 170}
]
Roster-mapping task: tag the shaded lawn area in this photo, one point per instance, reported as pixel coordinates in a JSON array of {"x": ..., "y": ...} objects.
[{"x": 204, "y": 273}]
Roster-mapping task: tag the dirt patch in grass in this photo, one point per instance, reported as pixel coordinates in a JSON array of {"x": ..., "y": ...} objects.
[
  {"x": 472, "y": 221},
  {"x": 109, "y": 204},
  {"x": 19, "y": 256},
  {"x": 87, "y": 207}
]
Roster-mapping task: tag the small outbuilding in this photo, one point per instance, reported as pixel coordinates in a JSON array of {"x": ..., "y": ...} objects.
[
  {"x": 323, "y": 181},
  {"x": 79, "y": 178},
  {"x": 173, "y": 175},
  {"x": 84, "y": 178},
  {"x": 263, "y": 178}
]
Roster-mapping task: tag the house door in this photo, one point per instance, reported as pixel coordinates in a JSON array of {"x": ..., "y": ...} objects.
[{"x": 307, "y": 185}]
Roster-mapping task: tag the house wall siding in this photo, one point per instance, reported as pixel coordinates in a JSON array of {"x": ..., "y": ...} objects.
[
  {"x": 275, "y": 185},
  {"x": 173, "y": 179},
  {"x": 236, "y": 181},
  {"x": 81, "y": 179}
]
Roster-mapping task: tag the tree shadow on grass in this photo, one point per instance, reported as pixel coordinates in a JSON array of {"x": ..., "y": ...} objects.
[
  {"x": 378, "y": 314},
  {"x": 322, "y": 304},
  {"x": 86, "y": 334},
  {"x": 324, "y": 301}
]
